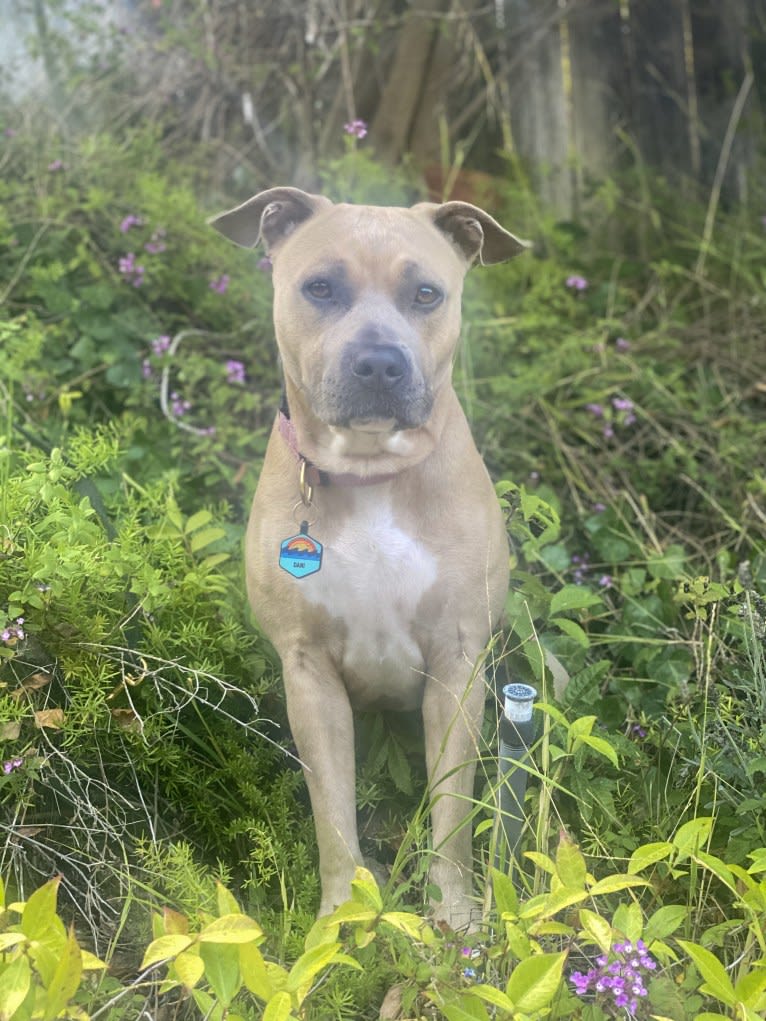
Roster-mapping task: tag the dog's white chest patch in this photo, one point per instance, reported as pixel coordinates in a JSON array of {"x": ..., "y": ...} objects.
[{"x": 372, "y": 578}]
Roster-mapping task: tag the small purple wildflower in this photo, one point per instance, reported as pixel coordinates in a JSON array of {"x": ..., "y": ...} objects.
[
  {"x": 466, "y": 952},
  {"x": 357, "y": 128},
  {"x": 595, "y": 409},
  {"x": 622, "y": 404},
  {"x": 638, "y": 731},
  {"x": 613, "y": 977},
  {"x": 14, "y": 632},
  {"x": 605, "y": 581},
  {"x": 622, "y": 344},
  {"x": 161, "y": 344},
  {"x": 599, "y": 508},
  {"x": 469, "y": 973},
  {"x": 10, "y": 133},
  {"x": 264, "y": 264},
  {"x": 157, "y": 243},
  {"x": 178, "y": 405},
  {"x": 56, "y": 165},
  {"x": 576, "y": 283},
  {"x": 11, "y": 764},
  {"x": 131, "y": 270},
  {"x": 146, "y": 369},
  {"x": 235, "y": 371},
  {"x": 131, "y": 220},
  {"x": 581, "y": 566},
  {"x": 220, "y": 284},
  {"x": 608, "y": 432}
]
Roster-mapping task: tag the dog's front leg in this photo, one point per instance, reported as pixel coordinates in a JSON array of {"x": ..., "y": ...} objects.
[
  {"x": 322, "y": 725},
  {"x": 452, "y": 717}
]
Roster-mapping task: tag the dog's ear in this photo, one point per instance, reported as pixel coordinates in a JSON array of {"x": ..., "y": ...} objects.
[
  {"x": 269, "y": 216},
  {"x": 479, "y": 237}
]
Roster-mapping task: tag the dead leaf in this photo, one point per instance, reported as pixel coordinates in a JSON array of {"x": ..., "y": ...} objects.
[
  {"x": 126, "y": 719},
  {"x": 10, "y": 731},
  {"x": 32, "y": 683},
  {"x": 53, "y": 719}
]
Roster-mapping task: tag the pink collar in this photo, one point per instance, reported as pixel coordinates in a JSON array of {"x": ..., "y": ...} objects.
[{"x": 315, "y": 476}]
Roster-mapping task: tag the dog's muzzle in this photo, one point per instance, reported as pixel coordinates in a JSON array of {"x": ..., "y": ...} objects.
[{"x": 375, "y": 382}]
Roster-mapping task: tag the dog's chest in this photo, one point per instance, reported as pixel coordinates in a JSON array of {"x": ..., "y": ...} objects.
[{"x": 373, "y": 577}]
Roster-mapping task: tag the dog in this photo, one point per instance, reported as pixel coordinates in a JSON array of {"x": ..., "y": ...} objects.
[{"x": 376, "y": 551}]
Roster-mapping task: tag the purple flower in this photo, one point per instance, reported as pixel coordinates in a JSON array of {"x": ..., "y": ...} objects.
[
  {"x": 131, "y": 220},
  {"x": 220, "y": 284},
  {"x": 131, "y": 270},
  {"x": 178, "y": 406},
  {"x": 469, "y": 973},
  {"x": 11, "y": 764},
  {"x": 622, "y": 344},
  {"x": 605, "y": 580},
  {"x": 622, "y": 404},
  {"x": 13, "y": 632},
  {"x": 608, "y": 432},
  {"x": 235, "y": 371},
  {"x": 596, "y": 410},
  {"x": 576, "y": 282},
  {"x": 599, "y": 508},
  {"x": 55, "y": 165},
  {"x": 264, "y": 264},
  {"x": 146, "y": 369},
  {"x": 638, "y": 731},
  {"x": 161, "y": 344},
  {"x": 617, "y": 972},
  {"x": 357, "y": 128},
  {"x": 157, "y": 243}
]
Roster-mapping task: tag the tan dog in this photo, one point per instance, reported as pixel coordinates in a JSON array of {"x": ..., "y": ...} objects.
[{"x": 377, "y": 559}]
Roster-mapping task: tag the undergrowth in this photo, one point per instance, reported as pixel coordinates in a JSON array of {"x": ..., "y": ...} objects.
[{"x": 617, "y": 391}]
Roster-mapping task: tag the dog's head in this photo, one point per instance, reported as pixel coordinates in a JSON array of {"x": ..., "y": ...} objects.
[{"x": 367, "y": 298}]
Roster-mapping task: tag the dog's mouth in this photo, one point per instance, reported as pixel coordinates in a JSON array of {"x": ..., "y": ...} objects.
[{"x": 373, "y": 425}]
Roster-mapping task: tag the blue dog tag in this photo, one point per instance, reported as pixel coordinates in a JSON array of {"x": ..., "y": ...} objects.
[{"x": 300, "y": 555}]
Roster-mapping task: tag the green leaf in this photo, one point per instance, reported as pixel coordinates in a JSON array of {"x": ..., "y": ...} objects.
[
  {"x": 599, "y": 930},
  {"x": 611, "y": 884},
  {"x": 689, "y": 838},
  {"x": 65, "y": 981},
  {"x": 648, "y": 854},
  {"x": 206, "y": 537},
  {"x": 40, "y": 910},
  {"x": 308, "y": 966},
  {"x": 717, "y": 982},
  {"x": 534, "y": 982},
  {"x": 573, "y": 630},
  {"x": 494, "y": 996},
  {"x": 665, "y": 921},
  {"x": 222, "y": 970},
  {"x": 254, "y": 973},
  {"x": 466, "y": 1008},
  {"x": 570, "y": 864},
  {"x": 364, "y": 890},
  {"x": 750, "y": 988},
  {"x": 189, "y": 968},
  {"x": 573, "y": 597},
  {"x": 196, "y": 521},
  {"x": 399, "y": 767},
  {"x": 165, "y": 948},
  {"x": 628, "y": 919},
  {"x": 15, "y": 981},
  {"x": 669, "y": 564},
  {"x": 237, "y": 928},
  {"x": 278, "y": 1007},
  {"x": 226, "y": 901},
  {"x": 506, "y": 898},
  {"x": 411, "y": 925},
  {"x": 10, "y": 939}
]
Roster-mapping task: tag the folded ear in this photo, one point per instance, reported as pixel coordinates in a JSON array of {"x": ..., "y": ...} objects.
[
  {"x": 270, "y": 216},
  {"x": 476, "y": 234}
]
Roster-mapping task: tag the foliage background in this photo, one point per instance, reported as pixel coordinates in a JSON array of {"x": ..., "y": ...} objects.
[{"x": 615, "y": 378}]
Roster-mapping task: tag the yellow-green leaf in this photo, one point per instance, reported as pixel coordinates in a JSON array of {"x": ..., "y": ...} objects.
[
  {"x": 40, "y": 910},
  {"x": 222, "y": 970},
  {"x": 165, "y": 948},
  {"x": 278, "y": 1008},
  {"x": 648, "y": 854},
  {"x": 227, "y": 902},
  {"x": 15, "y": 980},
  {"x": 750, "y": 988},
  {"x": 10, "y": 939},
  {"x": 65, "y": 981},
  {"x": 202, "y": 517},
  {"x": 552, "y": 903},
  {"x": 597, "y": 928},
  {"x": 308, "y": 966},
  {"x": 664, "y": 921},
  {"x": 716, "y": 980},
  {"x": 365, "y": 890},
  {"x": 533, "y": 983},
  {"x": 603, "y": 747},
  {"x": 690, "y": 837},
  {"x": 611, "y": 884},
  {"x": 189, "y": 968},
  {"x": 570, "y": 864},
  {"x": 254, "y": 973},
  {"x": 411, "y": 925},
  {"x": 236, "y": 928},
  {"x": 494, "y": 996},
  {"x": 206, "y": 537}
]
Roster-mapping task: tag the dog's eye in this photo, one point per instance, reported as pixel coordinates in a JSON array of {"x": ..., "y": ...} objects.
[
  {"x": 426, "y": 295},
  {"x": 319, "y": 289}
]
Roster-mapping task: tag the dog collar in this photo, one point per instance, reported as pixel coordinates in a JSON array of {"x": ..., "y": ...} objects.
[{"x": 311, "y": 476}]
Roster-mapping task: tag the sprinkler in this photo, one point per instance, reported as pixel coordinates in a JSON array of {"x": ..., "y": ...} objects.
[{"x": 517, "y": 734}]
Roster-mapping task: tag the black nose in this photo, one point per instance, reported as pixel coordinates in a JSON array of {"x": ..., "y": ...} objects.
[{"x": 381, "y": 367}]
